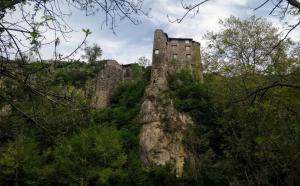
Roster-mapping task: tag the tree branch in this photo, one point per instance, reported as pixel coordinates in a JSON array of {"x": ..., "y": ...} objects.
[
  {"x": 189, "y": 8},
  {"x": 294, "y": 3}
]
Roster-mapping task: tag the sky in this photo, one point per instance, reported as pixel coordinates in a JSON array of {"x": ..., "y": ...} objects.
[{"x": 129, "y": 42}]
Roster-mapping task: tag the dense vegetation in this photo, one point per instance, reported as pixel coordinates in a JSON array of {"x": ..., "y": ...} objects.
[
  {"x": 238, "y": 143},
  {"x": 246, "y": 119},
  {"x": 56, "y": 142},
  {"x": 246, "y": 113}
]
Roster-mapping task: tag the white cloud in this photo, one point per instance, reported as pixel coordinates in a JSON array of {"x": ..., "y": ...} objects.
[
  {"x": 131, "y": 41},
  {"x": 192, "y": 26},
  {"x": 233, "y": 2},
  {"x": 123, "y": 51}
]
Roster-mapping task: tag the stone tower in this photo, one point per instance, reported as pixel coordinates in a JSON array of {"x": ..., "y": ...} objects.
[
  {"x": 164, "y": 128},
  {"x": 173, "y": 54}
]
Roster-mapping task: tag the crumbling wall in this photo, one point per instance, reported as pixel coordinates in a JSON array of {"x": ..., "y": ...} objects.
[{"x": 109, "y": 77}]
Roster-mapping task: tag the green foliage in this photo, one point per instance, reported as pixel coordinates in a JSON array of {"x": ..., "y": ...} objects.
[
  {"x": 192, "y": 96},
  {"x": 75, "y": 73},
  {"x": 173, "y": 61},
  {"x": 21, "y": 162},
  {"x": 246, "y": 120},
  {"x": 138, "y": 71},
  {"x": 92, "y": 53},
  {"x": 238, "y": 142},
  {"x": 257, "y": 123},
  {"x": 125, "y": 105},
  {"x": 94, "y": 156},
  {"x": 204, "y": 140},
  {"x": 76, "y": 146},
  {"x": 43, "y": 118}
]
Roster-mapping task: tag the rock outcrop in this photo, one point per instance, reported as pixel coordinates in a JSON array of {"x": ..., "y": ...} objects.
[
  {"x": 162, "y": 134},
  {"x": 163, "y": 127}
]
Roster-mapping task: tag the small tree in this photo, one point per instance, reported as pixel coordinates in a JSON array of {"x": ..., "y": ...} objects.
[
  {"x": 92, "y": 53},
  {"x": 143, "y": 61}
]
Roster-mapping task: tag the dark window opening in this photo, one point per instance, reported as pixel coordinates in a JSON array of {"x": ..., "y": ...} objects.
[{"x": 188, "y": 57}]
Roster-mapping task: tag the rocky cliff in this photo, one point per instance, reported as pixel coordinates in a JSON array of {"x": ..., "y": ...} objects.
[{"x": 163, "y": 127}]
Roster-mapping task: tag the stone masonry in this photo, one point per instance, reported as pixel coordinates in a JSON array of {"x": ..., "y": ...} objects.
[
  {"x": 173, "y": 54},
  {"x": 107, "y": 80},
  {"x": 163, "y": 127}
]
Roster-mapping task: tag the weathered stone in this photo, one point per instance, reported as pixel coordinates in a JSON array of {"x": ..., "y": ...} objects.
[
  {"x": 162, "y": 135},
  {"x": 107, "y": 80},
  {"x": 164, "y": 128}
]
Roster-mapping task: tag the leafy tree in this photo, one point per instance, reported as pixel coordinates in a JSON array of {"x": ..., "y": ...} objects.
[
  {"x": 143, "y": 61},
  {"x": 203, "y": 140},
  {"x": 53, "y": 117},
  {"x": 92, "y": 54},
  {"x": 244, "y": 49},
  {"x": 28, "y": 32},
  {"x": 21, "y": 162},
  {"x": 252, "y": 106},
  {"x": 76, "y": 144},
  {"x": 245, "y": 112},
  {"x": 94, "y": 156}
]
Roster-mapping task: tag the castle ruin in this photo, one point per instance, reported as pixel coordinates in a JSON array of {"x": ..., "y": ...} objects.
[
  {"x": 110, "y": 76},
  {"x": 174, "y": 54},
  {"x": 163, "y": 127}
]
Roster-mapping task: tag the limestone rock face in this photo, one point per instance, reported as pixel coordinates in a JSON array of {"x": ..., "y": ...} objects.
[
  {"x": 162, "y": 134},
  {"x": 163, "y": 127}
]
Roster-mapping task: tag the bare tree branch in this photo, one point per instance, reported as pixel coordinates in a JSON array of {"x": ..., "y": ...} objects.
[
  {"x": 261, "y": 5},
  {"x": 189, "y": 9},
  {"x": 294, "y": 3}
]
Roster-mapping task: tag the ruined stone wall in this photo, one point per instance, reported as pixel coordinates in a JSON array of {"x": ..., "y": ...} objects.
[{"x": 107, "y": 80}]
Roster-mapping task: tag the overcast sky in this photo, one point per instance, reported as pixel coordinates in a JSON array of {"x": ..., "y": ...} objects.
[{"x": 133, "y": 41}]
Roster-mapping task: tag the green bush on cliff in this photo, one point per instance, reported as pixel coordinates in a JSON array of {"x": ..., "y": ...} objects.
[{"x": 124, "y": 104}]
